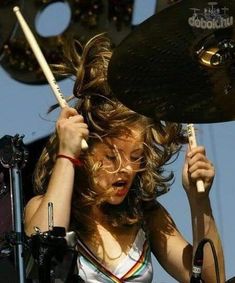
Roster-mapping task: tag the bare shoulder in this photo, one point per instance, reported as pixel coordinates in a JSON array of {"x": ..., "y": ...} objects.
[
  {"x": 157, "y": 218},
  {"x": 164, "y": 235},
  {"x": 32, "y": 206},
  {"x": 170, "y": 248}
]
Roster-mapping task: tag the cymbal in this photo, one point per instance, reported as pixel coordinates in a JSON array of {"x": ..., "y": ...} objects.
[
  {"x": 178, "y": 65},
  {"x": 7, "y": 21}
]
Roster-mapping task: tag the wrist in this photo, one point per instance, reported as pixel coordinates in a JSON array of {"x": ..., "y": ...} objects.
[
  {"x": 75, "y": 161},
  {"x": 201, "y": 204},
  {"x": 196, "y": 196}
]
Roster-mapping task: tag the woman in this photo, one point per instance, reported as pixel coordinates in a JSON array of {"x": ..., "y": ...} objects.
[{"x": 107, "y": 194}]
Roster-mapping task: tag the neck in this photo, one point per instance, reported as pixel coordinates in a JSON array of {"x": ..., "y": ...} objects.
[{"x": 98, "y": 215}]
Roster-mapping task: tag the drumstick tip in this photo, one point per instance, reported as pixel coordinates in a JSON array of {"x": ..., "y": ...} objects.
[{"x": 16, "y": 9}]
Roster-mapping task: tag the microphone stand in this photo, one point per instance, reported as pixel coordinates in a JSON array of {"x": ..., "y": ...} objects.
[{"x": 13, "y": 155}]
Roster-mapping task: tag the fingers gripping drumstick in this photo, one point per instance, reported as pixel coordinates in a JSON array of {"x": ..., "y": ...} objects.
[
  {"x": 42, "y": 62},
  {"x": 193, "y": 144}
]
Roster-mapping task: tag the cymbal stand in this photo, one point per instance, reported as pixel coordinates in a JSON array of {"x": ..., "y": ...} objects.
[{"x": 13, "y": 155}]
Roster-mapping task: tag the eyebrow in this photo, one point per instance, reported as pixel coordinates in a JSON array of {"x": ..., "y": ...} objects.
[
  {"x": 111, "y": 146},
  {"x": 133, "y": 151},
  {"x": 138, "y": 149}
]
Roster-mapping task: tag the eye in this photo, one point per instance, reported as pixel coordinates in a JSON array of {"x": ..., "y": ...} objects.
[
  {"x": 137, "y": 158},
  {"x": 111, "y": 157}
]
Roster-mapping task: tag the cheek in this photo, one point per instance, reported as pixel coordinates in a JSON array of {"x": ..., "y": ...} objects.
[
  {"x": 136, "y": 167},
  {"x": 102, "y": 180}
]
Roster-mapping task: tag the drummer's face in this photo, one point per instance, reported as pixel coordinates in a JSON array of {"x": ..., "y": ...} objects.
[{"x": 121, "y": 159}]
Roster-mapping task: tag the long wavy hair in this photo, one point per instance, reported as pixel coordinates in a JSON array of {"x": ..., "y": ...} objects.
[{"x": 107, "y": 117}]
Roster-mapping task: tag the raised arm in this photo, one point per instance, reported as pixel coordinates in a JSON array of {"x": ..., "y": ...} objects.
[
  {"x": 173, "y": 252},
  {"x": 71, "y": 129},
  {"x": 197, "y": 166}
]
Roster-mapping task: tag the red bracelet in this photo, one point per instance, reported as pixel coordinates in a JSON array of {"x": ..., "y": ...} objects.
[{"x": 76, "y": 162}]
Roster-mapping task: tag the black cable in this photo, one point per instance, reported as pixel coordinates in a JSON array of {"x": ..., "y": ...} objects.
[{"x": 198, "y": 262}]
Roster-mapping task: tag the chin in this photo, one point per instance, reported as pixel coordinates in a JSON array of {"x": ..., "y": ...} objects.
[{"x": 115, "y": 200}]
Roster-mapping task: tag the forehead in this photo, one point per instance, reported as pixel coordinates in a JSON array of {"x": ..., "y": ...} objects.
[
  {"x": 131, "y": 140},
  {"x": 134, "y": 136}
]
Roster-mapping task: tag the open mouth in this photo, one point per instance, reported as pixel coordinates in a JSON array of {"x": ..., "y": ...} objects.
[
  {"x": 121, "y": 187},
  {"x": 119, "y": 184}
]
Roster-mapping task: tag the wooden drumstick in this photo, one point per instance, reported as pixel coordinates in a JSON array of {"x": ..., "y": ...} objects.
[
  {"x": 193, "y": 144},
  {"x": 42, "y": 62}
]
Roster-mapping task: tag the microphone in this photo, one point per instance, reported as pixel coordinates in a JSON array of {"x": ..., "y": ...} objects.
[{"x": 197, "y": 263}]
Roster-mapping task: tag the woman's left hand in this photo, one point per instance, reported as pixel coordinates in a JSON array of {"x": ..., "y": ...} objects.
[{"x": 196, "y": 167}]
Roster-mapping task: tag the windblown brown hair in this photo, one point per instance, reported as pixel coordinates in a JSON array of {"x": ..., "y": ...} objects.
[{"x": 106, "y": 116}]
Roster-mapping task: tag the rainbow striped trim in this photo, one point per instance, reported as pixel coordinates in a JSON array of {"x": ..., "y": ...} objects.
[
  {"x": 136, "y": 270},
  {"x": 140, "y": 264}
]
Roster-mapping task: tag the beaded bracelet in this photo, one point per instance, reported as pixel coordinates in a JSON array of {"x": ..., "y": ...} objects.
[{"x": 76, "y": 162}]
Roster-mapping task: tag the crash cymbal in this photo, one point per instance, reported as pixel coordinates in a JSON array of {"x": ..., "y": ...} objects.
[
  {"x": 7, "y": 20},
  {"x": 178, "y": 65}
]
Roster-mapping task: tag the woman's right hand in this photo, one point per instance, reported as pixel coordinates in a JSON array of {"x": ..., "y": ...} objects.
[{"x": 71, "y": 129}]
